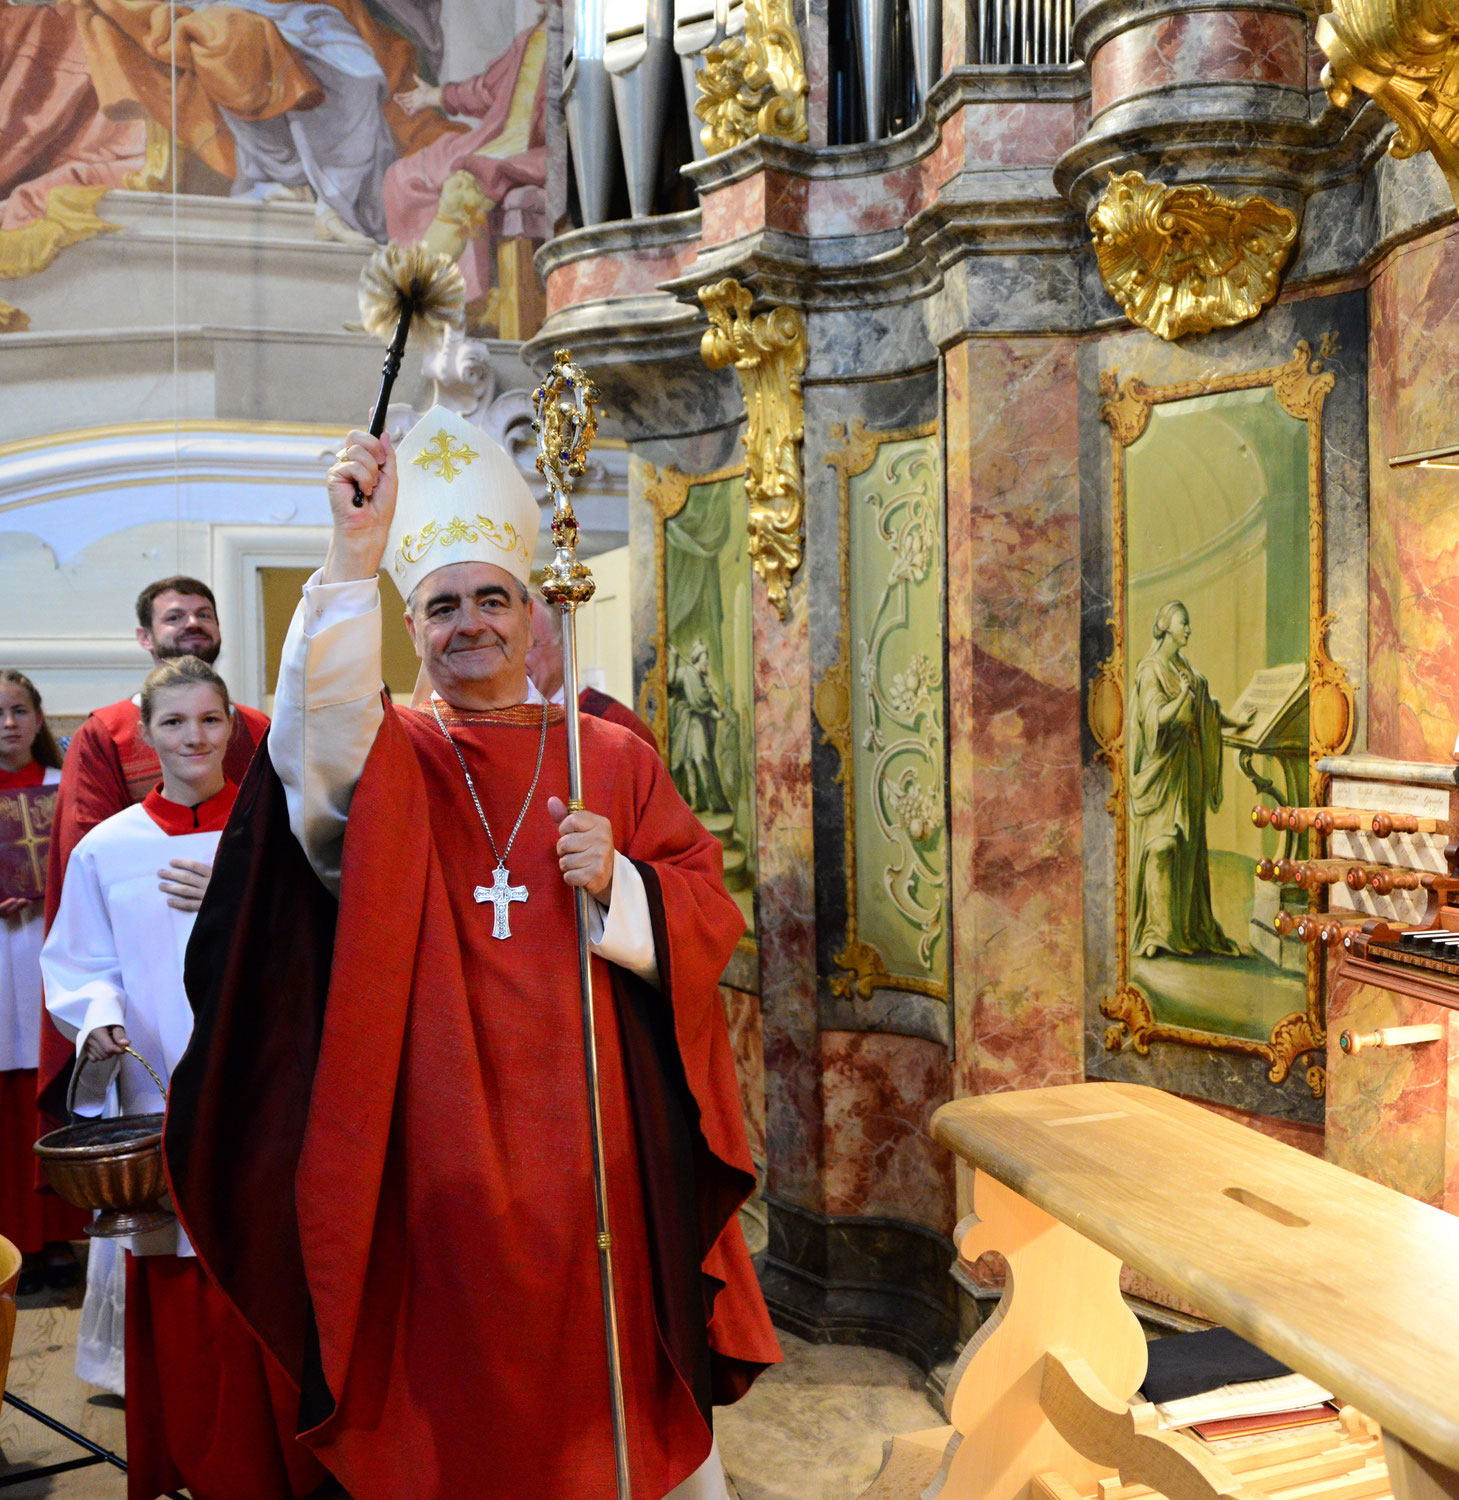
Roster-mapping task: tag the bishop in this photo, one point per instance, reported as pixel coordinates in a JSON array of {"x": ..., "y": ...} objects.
[{"x": 414, "y": 1066}]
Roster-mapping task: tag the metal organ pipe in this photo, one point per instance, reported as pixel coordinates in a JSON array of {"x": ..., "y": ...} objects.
[
  {"x": 588, "y": 103},
  {"x": 696, "y": 30},
  {"x": 927, "y": 45},
  {"x": 874, "y": 24},
  {"x": 644, "y": 69}
]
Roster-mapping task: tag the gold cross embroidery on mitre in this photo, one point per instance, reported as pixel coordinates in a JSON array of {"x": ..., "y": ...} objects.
[{"x": 452, "y": 456}]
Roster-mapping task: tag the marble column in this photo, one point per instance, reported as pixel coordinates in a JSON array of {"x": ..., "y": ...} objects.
[{"x": 1012, "y": 441}]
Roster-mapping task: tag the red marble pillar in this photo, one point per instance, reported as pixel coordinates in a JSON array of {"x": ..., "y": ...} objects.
[
  {"x": 1413, "y": 538},
  {"x": 1393, "y": 1113},
  {"x": 785, "y": 924},
  {"x": 1013, "y": 699}
]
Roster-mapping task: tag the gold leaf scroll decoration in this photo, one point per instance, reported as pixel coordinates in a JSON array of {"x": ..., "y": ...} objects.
[
  {"x": 1404, "y": 54},
  {"x": 1186, "y": 259},
  {"x": 755, "y": 84},
  {"x": 768, "y": 350}
]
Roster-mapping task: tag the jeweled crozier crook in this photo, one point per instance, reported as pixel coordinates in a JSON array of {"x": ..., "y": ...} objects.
[{"x": 567, "y": 417}]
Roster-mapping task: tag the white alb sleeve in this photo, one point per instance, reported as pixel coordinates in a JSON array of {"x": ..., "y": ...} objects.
[
  {"x": 83, "y": 975},
  {"x": 327, "y": 711},
  {"x": 623, "y": 932}
]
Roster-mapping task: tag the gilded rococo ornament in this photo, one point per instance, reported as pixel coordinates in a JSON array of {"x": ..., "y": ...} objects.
[
  {"x": 769, "y": 352},
  {"x": 754, "y": 84},
  {"x": 1404, "y": 54},
  {"x": 1186, "y": 259}
]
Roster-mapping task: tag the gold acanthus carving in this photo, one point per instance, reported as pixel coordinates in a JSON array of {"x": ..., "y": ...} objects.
[
  {"x": 755, "y": 84},
  {"x": 1404, "y": 54},
  {"x": 769, "y": 352},
  {"x": 1186, "y": 259}
]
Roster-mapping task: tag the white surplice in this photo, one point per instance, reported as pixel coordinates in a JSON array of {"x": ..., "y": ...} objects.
[
  {"x": 327, "y": 711},
  {"x": 20, "y": 979}
]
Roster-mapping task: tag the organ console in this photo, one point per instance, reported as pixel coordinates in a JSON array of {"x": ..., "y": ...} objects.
[
  {"x": 1384, "y": 907},
  {"x": 1385, "y": 825},
  {"x": 1389, "y": 1036}
]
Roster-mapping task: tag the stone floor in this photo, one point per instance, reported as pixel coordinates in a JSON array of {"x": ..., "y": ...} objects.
[{"x": 812, "y": 1429}]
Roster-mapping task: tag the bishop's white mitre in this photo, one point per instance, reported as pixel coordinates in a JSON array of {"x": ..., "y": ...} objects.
[{"x": 461, "y": 499}]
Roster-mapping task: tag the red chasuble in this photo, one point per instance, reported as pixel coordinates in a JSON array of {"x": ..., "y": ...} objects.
[
  {"x": 206, "y": 1406},
  {"x": 109, "y": 766},
  {"x": 433, "y": 1283}
]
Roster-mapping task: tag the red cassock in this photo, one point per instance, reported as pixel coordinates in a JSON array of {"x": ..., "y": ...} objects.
[
  {"x": 432, "y": 1282},
  {"x": 108, "y": 766},
  {"x": 603, "y": 706}
]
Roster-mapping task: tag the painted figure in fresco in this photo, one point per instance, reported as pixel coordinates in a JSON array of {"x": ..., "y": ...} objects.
[
  {"x": 1175, "y": 777},
  {"x": 289, "y": 98},
  {"x": 336, "y": 150},
  {"x": 59, "y": 153},
  {"x": 464, "y": 194},
  {"x": 695, "y": 713}
]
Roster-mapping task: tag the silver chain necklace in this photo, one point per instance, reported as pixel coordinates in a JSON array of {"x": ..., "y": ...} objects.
[{"x": 501, "y": 892}]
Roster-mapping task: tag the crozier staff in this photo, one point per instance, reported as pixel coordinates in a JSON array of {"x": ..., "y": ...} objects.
[
  {"x": 205, "y": 1408},
  {"x": 433, "y": 1281}
]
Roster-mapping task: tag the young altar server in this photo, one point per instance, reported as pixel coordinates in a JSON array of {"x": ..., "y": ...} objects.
[
  {"x": 205, "y": 1408},
  {"x": 39, "y": 1224}
]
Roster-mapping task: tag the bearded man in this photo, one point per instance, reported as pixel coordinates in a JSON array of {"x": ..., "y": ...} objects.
[{"x": 394, "y": 1027}]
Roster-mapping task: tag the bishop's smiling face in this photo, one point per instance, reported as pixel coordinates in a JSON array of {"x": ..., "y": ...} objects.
[{"x": 472, "y": 626}]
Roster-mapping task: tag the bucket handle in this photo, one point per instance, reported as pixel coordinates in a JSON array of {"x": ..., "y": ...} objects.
[{"x": 76, "y": 1073}]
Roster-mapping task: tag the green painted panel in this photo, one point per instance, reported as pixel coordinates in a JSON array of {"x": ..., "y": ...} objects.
[
  {"x": 710, "y": 674},
  {"x": 897, "y": 709},
  {"x": 1217, "y": 603}
]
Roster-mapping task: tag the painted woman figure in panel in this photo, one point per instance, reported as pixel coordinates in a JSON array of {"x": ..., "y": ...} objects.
[{"x": 1175, "y": 778}]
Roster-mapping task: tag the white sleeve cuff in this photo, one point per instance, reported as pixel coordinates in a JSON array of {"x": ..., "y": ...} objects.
[
  {"x": 93, "y": 1079},
  {"x": 327, "y": 604},
  {"x": 622, "y": 931}
]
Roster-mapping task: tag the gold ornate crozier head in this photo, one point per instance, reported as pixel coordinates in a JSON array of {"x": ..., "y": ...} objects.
[
  {"x": 566, "y": 407},
  {"x": 1186, "y": 259}
]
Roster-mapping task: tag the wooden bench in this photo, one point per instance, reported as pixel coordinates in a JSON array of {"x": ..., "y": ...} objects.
[{"x": 1347, "y": 1282}]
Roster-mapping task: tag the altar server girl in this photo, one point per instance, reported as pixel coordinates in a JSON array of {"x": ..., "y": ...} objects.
[
  {"x": 205, "y": 1408},
  {"x": 39, "y": 1224}
]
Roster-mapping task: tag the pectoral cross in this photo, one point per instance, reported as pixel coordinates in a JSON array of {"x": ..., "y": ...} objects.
[{"x": 501, "y": 894}]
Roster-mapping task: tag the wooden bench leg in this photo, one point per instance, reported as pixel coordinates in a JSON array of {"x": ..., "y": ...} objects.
[
  {"x": 1415, "y": 1476},
  {"x": 1062, "y": 1294}
]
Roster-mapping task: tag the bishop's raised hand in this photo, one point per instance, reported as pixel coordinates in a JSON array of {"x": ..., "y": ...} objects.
[{"x": 365, "y": 467}]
